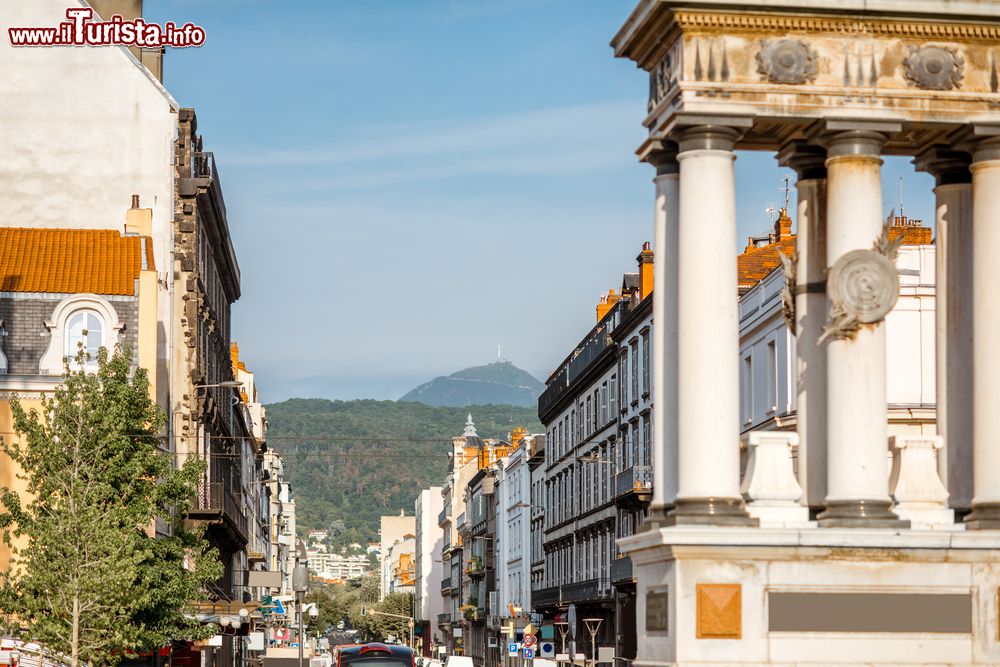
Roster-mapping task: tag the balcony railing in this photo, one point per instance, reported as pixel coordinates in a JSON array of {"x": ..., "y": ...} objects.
[
  {"x": 637, "y": 479},
  {"x": 622, "y": 570},
  {"x": 214, "y": 500},
  {"x": 586, "y": 591},
  {"x": 442, "y": 517},
  {"x": 446, "y": 584},
  {"x": 460, "y": 521},
  {"x": 543, "y": 598},
  {"x": 444, "y": 619}
]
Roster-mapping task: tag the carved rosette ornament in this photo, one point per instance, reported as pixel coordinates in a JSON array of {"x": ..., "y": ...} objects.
[
  {"x": 934, "y": 67},
  {"x": 863, "y": 286},
  {"x": 787, "y": 61}
]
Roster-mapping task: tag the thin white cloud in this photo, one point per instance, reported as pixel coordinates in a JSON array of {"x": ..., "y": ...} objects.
[{"x": 491, "y": 137}]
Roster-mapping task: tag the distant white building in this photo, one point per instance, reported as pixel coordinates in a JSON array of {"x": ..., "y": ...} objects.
[
  {"x": 428, "y": 602},
  {"x": 326, "y": 565},
  {"x": 513, "y": 531},
  {"x": 393, "y": 529}
]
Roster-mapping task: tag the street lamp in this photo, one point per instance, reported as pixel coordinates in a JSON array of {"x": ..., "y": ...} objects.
[{"x": 523, "y": 505}]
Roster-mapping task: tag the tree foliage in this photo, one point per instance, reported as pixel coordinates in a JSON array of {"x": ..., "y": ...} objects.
[
  {"x": 354, "y": 461},
  {"x": 86, "y": 578}
]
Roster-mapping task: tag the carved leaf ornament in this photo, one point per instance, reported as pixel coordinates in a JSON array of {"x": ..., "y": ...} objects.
[{"x": 787, "y": 61}]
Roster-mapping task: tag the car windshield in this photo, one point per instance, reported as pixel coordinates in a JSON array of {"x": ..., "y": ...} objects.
[{"x": 380, "y": 660}]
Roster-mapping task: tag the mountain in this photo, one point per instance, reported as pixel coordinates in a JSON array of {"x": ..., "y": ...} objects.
[
  {"x": 350, "y": 462},
  {"x": 498, "y": 383}
]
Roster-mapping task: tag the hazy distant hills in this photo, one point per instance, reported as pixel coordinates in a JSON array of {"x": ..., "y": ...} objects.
[
  {"x": 500, "y": 383},
  {"x": 351, "y": 461}
]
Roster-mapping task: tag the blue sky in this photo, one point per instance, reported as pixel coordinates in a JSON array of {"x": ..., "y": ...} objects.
[{"x": 410, "y": 183}]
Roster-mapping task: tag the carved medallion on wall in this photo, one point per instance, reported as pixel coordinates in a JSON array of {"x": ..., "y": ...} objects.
[
  {"x": 786, "y": 61},
  {"x": 934, "y": 67}
]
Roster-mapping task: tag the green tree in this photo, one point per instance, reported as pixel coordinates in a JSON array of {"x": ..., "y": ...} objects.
[{"x": 87, "y": 580}]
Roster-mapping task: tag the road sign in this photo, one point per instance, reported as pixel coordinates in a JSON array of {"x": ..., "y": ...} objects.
[
  {"x": 529, "y": 640},
  {"x": 529, "y": 653},
  {"x": 512, "y": 649},
  {"x": 547, "y": 649}
]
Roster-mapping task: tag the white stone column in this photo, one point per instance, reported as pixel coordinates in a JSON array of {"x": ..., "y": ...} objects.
[
  {"x": 857, "y": 403},
  {"x": 953, "y": 317},
  {"x": 985, "y": 336},
  {"x": 809, "y": 163},
  {"x": 708, "y": 490},
  {"x": 665, "y": 240}
]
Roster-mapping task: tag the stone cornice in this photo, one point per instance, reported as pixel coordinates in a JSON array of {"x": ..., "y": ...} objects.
[{"x": 836, "y": 25}]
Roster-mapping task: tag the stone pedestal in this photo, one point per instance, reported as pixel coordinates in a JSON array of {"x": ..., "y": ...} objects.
[{"x": 830, "y": 596}]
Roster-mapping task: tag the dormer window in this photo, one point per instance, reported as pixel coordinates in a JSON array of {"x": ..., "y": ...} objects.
[
  {"x": 84, "y": 319},
  {"x": 84, "y": 328}
]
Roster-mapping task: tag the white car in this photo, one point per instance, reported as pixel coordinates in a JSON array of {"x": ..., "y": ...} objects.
[{"x": 459, "y": 661}]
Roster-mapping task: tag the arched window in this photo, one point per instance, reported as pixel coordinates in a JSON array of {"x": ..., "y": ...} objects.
[{"x": 84, "y": 328}]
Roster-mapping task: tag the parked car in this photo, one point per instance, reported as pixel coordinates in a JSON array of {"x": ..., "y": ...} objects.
[
  {"x": 459, "y": 661},
  {"x": 376, "y": 654}
]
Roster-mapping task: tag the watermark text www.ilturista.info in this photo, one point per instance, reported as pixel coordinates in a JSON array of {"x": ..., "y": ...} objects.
[{"x": 81, "y": 30}]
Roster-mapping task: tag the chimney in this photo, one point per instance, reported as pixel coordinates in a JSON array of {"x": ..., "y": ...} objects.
[
  {"x": 138, "y": 221},
  {"x": 130, "y": 10},
  {"x": 783, "y": 226},
  {"x": 606, "y": 303},
  {"x": 645, "y": 260}
]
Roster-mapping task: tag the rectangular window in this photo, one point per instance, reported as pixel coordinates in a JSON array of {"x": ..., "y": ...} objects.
[
  {"x": 613, "y": 398},
  {"x": 747, "y": 389},
  {"x": 572, "y": 429},
  {"x": 645, "y": 363},
  {"x": 635, "y": 371},
  {"x": 604, "y": 404},
  {"x": 597, "y": 398},
  {"x": 623, "y": 376},
  {"x": 644, "y": 459},
  {"x": 589, "y": 422},
  {"x": 772, "y": 376}
]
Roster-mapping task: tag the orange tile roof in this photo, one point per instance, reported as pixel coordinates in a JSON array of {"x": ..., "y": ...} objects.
[
  {"x": 71, "y": 261},
  {"x": 756, "y": 263}
]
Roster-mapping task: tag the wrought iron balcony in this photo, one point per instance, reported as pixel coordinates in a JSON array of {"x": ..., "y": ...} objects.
[
  {"x": 216, "y": 501},
  {"x": 636, "y": 480},
  {"x": 446, "y": 584},
  {"x": 543, "y": 598},
  {"x": 622, "y": 570},
  {"x": 460, "y": 521},
  {"x": 444, "y": 619},
  {"x": 442, "y": 518},
  {"x": 591, "y": 590}
]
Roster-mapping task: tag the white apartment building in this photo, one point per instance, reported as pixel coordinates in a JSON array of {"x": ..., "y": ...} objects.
[
  {"x": 513, "y": 530},
  {"x": 768, "y": 356},
  {"x": 428, "y": 602},
  {"x": 327, "y": 565}
]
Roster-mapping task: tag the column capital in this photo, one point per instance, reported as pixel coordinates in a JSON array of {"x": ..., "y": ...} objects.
[
  {"x": 662, "y": 154},
  {"x": 807, "y": 159},
  {"x": 982, "y": 141},
  {"x": 707, "y": 137},
  {"x": 947, "y": 165}
]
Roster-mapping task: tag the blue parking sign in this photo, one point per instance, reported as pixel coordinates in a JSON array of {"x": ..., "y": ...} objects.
[
  {"x": 512, "y": 648},
  {"x": 529, "y": 653}
]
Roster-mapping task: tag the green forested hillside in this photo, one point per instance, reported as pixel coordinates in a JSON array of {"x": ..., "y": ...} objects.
[{"x": 352, "y": 461}]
